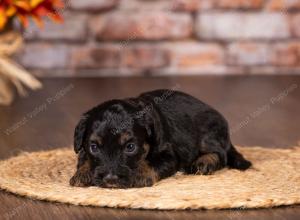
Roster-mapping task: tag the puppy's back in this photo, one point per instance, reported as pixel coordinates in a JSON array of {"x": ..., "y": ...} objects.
[{"x": 175, "y": 102}]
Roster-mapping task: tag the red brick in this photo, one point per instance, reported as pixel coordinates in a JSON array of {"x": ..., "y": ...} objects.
[
  {"x": 44, "y": 56},
  {"x": 195, "y": 55},
  {"x": 191, "y": 5},
  {"x": 248, "y": 53},
  {"x": 239, "y": 4},
  {"x": 286, "y": 54},
  {"x": 146, "y": 26},
  {"x": 203, "y": 70},
  {"x": 93, "y": 5},
  {"x": 144, "y": 56},
  {"x": 239, "y": 25},
  {"x": 117, "y": 55},
  {"x": 104, "y": 56},
  {"x": 142, "y": 5},
  {"x": 295, "y": 25},
  {"x": 273, "y": 70},
  {"x": 283, "y": 4},
  {"x": 72, "y": 29}
]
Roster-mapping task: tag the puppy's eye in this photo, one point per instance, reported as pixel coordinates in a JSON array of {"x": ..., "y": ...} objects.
[
  {"x": 130, "y": 148},
  {"x": 94, "y": 148}
]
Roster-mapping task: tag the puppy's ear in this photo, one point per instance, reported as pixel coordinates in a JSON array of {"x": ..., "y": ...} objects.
[
  {"x": 148, "y": 124},
  {"x": 80, "y": 133},
  {"x": 153, "y": 126},
  {"x": 149, "y": 118}
]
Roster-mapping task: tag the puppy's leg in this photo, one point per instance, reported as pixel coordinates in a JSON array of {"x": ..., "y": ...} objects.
[
  {"x": 145, "y": 175},
  {"x": 83, "y": 175},
  {"x": 212, "y": 157},
  {"x": 206, "y": 164},
  {"x": 155, "y": 168}
]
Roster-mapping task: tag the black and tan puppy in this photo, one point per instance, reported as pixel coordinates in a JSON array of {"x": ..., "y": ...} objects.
[{"x": 135, "y": 142}]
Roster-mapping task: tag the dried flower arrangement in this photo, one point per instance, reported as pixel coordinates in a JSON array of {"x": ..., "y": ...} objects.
[{"x": 12, "y": 76}]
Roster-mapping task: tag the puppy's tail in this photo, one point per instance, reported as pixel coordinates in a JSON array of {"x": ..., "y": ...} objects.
[{"x": 236, "y": 160}]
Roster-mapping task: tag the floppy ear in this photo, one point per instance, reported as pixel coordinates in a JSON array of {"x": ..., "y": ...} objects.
[
  {"x": 80, "y": 133},
  {"x": 148, "y": 123},
  {"x": 149, "y": 118},
  {"x": 153, "y": 126}
]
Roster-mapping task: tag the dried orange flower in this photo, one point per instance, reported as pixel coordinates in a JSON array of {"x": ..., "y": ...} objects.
[{"x": 24, "y": 9}]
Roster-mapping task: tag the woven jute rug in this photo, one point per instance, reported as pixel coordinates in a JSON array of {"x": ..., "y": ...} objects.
[{"x": 274, "y": 180}]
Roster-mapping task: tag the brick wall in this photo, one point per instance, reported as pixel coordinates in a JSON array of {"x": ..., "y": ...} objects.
[{"x": 134, "y": 37}]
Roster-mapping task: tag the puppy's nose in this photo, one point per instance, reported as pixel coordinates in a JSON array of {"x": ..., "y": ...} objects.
[{"x": 110, "y": 179}]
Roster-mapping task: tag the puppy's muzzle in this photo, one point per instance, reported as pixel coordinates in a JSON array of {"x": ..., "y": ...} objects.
[{"x": 110, "y": 180}]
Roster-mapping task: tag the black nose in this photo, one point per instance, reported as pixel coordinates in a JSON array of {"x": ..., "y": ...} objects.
[{"x": 110, "y": 179}]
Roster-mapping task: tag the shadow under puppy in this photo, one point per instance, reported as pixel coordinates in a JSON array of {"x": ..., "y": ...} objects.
[{"x": 136, "y": 142}]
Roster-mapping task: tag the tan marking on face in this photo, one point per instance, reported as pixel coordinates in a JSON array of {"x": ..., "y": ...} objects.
[
  {"x": 83, "y": 176},
  {"x": 124, "y": 137},
  {"x": 94, "y": 137}
]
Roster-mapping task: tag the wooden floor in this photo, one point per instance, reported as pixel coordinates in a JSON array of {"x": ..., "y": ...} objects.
[{"x": 261, "y": 111}]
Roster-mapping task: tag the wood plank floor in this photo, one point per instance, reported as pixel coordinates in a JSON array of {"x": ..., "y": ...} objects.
[{"x": 261, "y": 110}]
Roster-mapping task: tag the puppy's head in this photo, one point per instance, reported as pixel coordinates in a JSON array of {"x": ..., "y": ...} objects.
[{"x": 115, "y": 141}]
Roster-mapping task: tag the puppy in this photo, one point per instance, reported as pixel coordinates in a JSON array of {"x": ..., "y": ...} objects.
[{"x": 136, "y": 142}]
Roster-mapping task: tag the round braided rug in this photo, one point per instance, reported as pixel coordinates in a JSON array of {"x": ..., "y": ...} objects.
[{"x": 274, "y": 180}]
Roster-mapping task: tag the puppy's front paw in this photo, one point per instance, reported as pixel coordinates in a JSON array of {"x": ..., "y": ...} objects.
[
  {"x": 206, "y": 164},
  {"x": 145, "y": 176},
  {"x": 81, "y": 179},
  {"x": 144, "y": 181}
]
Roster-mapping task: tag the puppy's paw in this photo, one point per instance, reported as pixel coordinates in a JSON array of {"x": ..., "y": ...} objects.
[
  {"x": 83, "y": 176},
  {"x": 206, "y": 164},
  {"x": 145, "y": 176},
  {"x": 142, "y": 181},
  {"x": 81, "y": 179}
]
